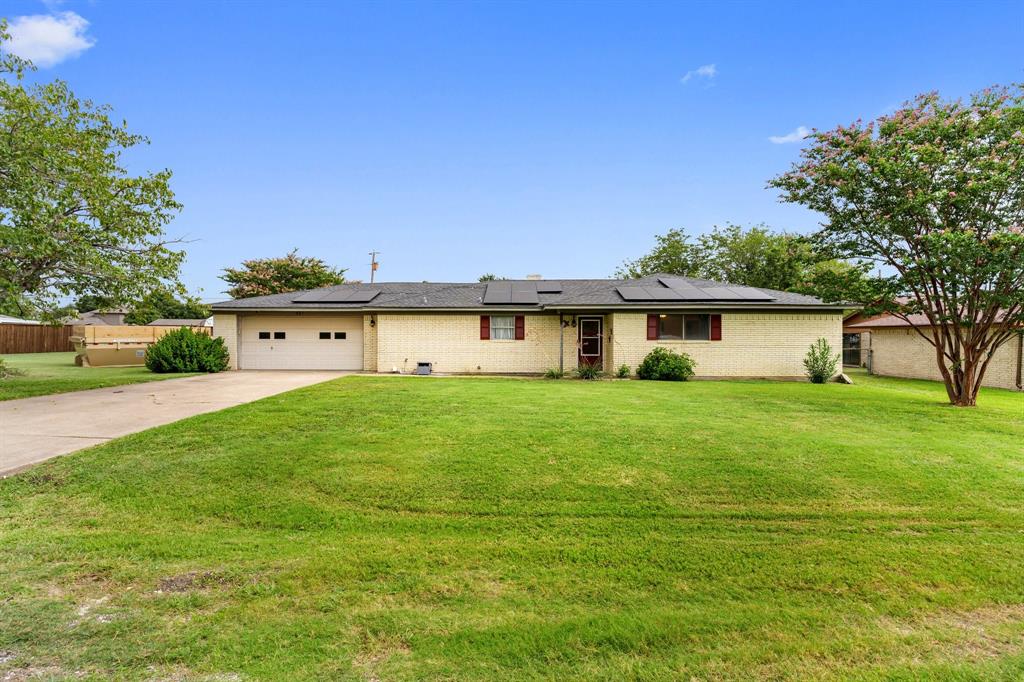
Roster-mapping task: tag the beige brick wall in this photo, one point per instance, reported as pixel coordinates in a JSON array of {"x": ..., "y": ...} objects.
[
  {"x": 903, "y": 353},
  {"x": 369, "y": 343},
  {"x": 226, "y": 327},
  {"x": 452, "y": 342},
  {"x": 754, "y": 344}
]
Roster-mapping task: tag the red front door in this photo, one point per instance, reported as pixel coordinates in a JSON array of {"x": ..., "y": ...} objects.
[{"x": 591, "y": 342}]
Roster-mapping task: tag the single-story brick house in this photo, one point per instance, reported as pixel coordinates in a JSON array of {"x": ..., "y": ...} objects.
[
  {"x": 527, "y": 326},
  {"x": 896, "y": 349}
]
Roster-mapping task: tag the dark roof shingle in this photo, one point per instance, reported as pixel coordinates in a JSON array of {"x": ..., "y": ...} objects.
[{"x": 574, "y": 292}]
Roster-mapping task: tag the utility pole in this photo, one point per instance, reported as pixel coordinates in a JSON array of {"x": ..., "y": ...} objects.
[{"x": 373, "y": 264}]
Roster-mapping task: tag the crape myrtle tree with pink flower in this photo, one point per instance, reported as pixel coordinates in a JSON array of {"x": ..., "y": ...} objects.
[{"x": 934, "y": 193}]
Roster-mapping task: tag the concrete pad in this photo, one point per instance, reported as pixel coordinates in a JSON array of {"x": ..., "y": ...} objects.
[{"x": 36, "y": 429}]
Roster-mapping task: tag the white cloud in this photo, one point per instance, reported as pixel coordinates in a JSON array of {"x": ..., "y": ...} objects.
[
  {"x": 800, "y": 133},
  {"x": 707, "y": 71},
  {"x": 48, "y": 39}
]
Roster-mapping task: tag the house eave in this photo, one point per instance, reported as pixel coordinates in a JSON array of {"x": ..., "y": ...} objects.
[{"x": 533, "y": 309}]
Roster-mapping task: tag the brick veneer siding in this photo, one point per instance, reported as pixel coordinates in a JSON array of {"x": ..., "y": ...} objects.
[
  {"x": 903, "y": 353},
  {"x": 369, "y": 343},
  {"x": 226, "y": 327},
  {"x": 451, "y": 341},
  {"x": 754, "y": 344}
]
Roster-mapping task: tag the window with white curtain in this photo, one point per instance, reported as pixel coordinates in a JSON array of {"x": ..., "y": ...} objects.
[{"x": 503, "y": 327}]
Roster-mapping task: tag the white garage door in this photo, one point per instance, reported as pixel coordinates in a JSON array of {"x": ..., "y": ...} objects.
[{"x": 301, "y": 342}]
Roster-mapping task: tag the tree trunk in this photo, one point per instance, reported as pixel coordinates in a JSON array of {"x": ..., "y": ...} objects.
[
  {"x": 965, "y": 381},
  {"x": 965, "y": 386}
]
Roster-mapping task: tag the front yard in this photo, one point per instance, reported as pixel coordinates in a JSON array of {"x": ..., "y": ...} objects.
[
  {"x": 48, "y": 373},
  {"x": 387, "y": 528}
]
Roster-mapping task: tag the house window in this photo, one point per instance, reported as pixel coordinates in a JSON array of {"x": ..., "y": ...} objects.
[
  {"x": 688, "y": 327},
  {"x": 278, "y": 335},
  {"x": 340, "y": 335},
  {"x": 264, "y": 335},
  {"x": 325, "y": 335},
  {"x": 503, "y": 327}
]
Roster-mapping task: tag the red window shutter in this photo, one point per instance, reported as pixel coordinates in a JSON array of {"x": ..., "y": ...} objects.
[
  {"x": 652, "y": 327},
  {"x": 485, "y": 327},
  {"x": 520, "y": 327},
  {"x": 716, "y": 327}
]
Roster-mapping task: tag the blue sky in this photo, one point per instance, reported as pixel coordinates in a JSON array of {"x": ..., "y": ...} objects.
[{"x": 513, "y": 138}]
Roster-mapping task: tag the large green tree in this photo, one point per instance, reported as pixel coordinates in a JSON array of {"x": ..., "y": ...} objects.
[
  {"x": 673, "y": 254},
  {"x": 73, "y": 221},
  {"x": 163, "y": 303},
  {"x": 935, "y": 194},
  {"x": 265, "y": 276},
  {"x": 755, "y": 257}
]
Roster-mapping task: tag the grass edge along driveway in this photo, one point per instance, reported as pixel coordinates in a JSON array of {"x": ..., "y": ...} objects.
[
  {"x": 425, "y": 528},
  {"x": 51, "y": 373}
]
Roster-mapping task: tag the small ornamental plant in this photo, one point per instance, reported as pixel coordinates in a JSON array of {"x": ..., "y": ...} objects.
[
  {"x": 589, "y": 372},
  {"x": 662, "y": 364},
  {"x": 183, "y": 350},
  {"x": 554, "y": 373},
  {"x": 820, "y": 363},
  {"x": 624, "y": 372}
]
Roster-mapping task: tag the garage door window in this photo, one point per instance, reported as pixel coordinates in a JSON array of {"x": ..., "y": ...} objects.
[
  {"x": 279, "y": 335},
  {"x": 340, "y": 335},
  {"x": 325, "y": 335},
  {"x": 264, "y": 335}
]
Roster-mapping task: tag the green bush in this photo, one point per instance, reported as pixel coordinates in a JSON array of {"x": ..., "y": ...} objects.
[
  {"x": 820, "y": 363},
  {"x": 183, "y": 350},
  {"x": 661, "y": 364},
  {"x": 554, "y": 374},
  {"x": 8, "y": 371},
  {"x": 589, "y": 372},
  {"x": 624, "y": 372}
]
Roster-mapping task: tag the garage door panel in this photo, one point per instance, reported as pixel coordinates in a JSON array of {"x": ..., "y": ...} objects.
[{"x": 302, "y": 346}]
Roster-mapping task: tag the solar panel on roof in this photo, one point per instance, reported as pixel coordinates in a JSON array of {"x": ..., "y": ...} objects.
[
  {"x": 311, "y": 296},
  {"x": 521, "y": 293},
  {"x": 363, "y": 296},
  {"x": 663, "y": 294},
  {"x": 718, "y": 293},
  {"x": 338, "y": 296},
  {"x": 498, "y": 293},
  {"x": 633, "y": 293},
  {"x": 524, "y": 292},
  {"x": 750, "y": 294},
  {"x": 549, "y": 287}
]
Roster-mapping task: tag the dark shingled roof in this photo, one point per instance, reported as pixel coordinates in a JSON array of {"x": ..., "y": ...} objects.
[{"x": 575, "y": 293}]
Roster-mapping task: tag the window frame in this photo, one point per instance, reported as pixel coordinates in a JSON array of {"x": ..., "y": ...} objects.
[
  {"x": 511, "y": 328},
  {"x": 682, "y": 327}
]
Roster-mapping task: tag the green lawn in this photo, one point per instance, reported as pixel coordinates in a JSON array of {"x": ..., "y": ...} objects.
[
  {"x": 46, "y": 373},
  {"x": 401, "y": 528}
]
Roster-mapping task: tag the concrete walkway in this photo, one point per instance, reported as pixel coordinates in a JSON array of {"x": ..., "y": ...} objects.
[{"x": 36, "y": 429}]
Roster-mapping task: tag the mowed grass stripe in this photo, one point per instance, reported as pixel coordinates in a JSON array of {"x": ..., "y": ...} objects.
[{"x": 409, "y": 528}]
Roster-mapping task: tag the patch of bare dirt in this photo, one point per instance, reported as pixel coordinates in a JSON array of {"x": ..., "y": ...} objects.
[
  {"x": 193, "y": 580},
  {"x": 36, "y": 673},
  {"x": 182, "y": 674}
]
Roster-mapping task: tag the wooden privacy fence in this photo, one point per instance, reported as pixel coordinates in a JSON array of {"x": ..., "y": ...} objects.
[{"x": 35, "y": 338}]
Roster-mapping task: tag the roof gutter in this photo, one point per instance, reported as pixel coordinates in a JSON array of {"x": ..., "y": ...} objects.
[{"x": 533, "y": 309}]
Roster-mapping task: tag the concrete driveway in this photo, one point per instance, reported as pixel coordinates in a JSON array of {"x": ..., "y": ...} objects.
[{"x": 36, "y": 429}]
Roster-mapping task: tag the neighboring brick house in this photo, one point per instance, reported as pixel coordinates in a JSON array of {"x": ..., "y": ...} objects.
[
  {"x": 897, "y": 349},
  {"x": 528, "y": 326}
]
